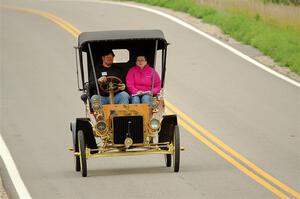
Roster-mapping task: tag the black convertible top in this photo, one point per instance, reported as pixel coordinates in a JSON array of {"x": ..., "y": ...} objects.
[
  {"x": 93, "y": 45},
  {"x": 121, "y": 37}
]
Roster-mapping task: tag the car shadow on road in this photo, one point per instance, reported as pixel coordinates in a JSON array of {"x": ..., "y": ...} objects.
[
  {"x": 130, "y": 171},
  {"x": 140, "y": 170}
]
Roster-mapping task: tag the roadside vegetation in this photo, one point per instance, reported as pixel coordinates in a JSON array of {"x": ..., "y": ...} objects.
[
  {"x": 272, "y": 26},
  {"x": 286, "y": 2}
]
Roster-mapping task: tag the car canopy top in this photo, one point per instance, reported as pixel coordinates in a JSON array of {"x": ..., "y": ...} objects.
[
  {"x": 121, "y": 38},
  {"x": 137, "y": 42}
]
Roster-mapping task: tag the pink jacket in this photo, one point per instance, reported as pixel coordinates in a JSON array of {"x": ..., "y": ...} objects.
[{"x": 138, "y": 79}]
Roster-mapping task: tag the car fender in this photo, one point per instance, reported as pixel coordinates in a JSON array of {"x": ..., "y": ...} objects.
[{"x": 167, "y": 128}]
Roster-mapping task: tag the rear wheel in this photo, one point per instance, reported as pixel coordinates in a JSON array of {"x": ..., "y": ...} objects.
[
  {"x": 76, "y": 157},
  {"x": 82, "y": 151},
  {"x": 168, "y": 160},
  {"x": 176, "y": 155},
  {"x": 77, "y": 163}
]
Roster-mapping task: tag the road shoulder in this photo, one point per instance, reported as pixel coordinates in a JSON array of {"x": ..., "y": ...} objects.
[
  {"x": 218, "y": 34},
  {"x": 7, "y": 189},
  {"x": 3, "y": 194}
]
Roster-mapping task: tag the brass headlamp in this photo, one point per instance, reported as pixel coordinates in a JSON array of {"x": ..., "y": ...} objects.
[
  {"x": 100, "y": 129},
  {"x": 154, "y": 126}
]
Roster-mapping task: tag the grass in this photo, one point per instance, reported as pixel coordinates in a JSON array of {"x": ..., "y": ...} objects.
[
  {"x": 275, "y": 14},
  {"x": 285, "y": 2},
  {"x": 278, "y": 38}
]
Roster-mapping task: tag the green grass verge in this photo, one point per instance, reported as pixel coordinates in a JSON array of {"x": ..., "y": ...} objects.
[
  {"x": 280, "y": 43},
  {"x": 286, "y": 2}
]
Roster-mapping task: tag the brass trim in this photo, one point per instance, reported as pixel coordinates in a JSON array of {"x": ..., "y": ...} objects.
[
  {"x": 129, "y": 153},
  {"x": 102, "y": 134},
  {"x": 128, "y": 142}
]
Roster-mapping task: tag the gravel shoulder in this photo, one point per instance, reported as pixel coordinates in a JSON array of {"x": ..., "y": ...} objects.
[{"x": 3, "y": 194}]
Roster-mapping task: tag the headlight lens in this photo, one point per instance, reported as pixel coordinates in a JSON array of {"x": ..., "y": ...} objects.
[
  {"x": 154, "y": 124},
  {"x": 101, "y": 125}
]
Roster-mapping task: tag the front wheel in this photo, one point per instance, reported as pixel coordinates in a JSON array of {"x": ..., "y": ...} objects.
[
  {"x": 82, "y": 151},
  {"x": 176, "y": 143}
]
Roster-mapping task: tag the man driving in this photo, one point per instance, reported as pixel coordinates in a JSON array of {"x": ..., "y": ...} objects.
[{"x": 108, "y": 68}]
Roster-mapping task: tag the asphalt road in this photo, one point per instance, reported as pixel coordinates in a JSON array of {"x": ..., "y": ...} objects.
[{"x": 252, "y": 111}]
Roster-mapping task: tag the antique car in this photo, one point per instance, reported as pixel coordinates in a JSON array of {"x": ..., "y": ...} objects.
[{"x": 122, "y": 129}]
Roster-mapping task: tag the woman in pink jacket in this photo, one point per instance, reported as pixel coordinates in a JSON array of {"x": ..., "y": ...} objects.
[{"x": 139, "y": 82}]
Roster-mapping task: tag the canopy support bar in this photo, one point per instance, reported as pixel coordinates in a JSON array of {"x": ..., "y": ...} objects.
[
  {"x": 154, "y": 66},
  {"x": 94, "y": 71}
]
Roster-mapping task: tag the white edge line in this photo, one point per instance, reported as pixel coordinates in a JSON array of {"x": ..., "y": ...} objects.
[
  {"x": 13, "y": 171},
  {"x": 180, "y": 22}
]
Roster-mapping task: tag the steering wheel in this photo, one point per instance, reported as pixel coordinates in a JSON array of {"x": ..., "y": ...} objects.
[{"x": 112, "y": 84}]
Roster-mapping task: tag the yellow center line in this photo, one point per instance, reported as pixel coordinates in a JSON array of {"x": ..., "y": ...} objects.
[
  {"x": 75, "y": 32},
  {"x": 59, "y": 21},
  {"x": 230, "y": 159},
  {"x": 231, "y": 151}
]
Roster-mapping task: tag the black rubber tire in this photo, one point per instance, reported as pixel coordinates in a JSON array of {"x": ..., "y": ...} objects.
[
  {"x": 82, "y": 150},
  {"x": 76, "y": 157},
  {"x": 168, "y": 160},
  {"x": 176, "y": 155},
  {"x": 77, "y": 163}
]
